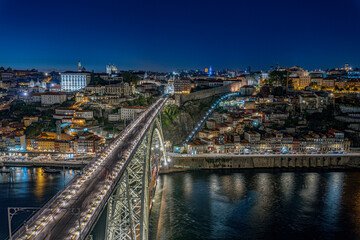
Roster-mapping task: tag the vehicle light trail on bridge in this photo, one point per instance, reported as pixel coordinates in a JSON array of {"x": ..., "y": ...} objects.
[{"x": 89, "y": 192}]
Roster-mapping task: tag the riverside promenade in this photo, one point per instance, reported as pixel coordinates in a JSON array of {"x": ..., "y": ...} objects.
[
  {"x": 44, "y": 163},
  {"x": 184, "y": 162}
]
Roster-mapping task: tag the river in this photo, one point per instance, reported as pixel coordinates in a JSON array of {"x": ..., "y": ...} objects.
[
  {"x": 257, "y": 204},
  {"x": 247, "y": 204},
  {"x": 27, "y": 187}
]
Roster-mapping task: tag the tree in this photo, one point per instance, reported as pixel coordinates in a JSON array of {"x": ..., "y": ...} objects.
[
  {"x": 34, "y": 129},
  {"x": 47, "y": 114},
  {"x": 66, "y": 104},
  {"x": 130, "y": 78},
  {"x": 278, "y": 91},
  {"x": 313, "y": 85},
  {"x": 278, "y": 78},
  {"x": 126, "y": 76},
  {"x": 96, "y": 80},
  {"x": 169, "y": 114}
]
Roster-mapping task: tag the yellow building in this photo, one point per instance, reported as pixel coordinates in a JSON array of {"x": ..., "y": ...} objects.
[
  {"x": 30, "y": 144},
  {"x": 53, "y": 136},
  {"x": 29, "y": 120},
  {"x": 51, "y": 145},
  {"x": 182, "y": 86},
  {"x": 62, "y": 146},
  {"x": 301, "y": 82},
  {"x": 46, "y": 145}
]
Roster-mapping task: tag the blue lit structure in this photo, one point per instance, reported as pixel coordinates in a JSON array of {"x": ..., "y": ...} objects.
[{"x": 208, "y": 114}]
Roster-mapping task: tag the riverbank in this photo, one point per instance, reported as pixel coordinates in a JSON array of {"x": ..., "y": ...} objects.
[
  {"x": 180, "y": 163},
  {"x": 57, "y": 164}
]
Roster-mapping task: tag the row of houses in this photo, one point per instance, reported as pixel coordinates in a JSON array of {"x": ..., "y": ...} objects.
[
  {"x": 121, "y": 89},
  {"x": 45, "y": 98},
  {"x": 334, "y": 140},
  {"x": 82, "y": 143}
]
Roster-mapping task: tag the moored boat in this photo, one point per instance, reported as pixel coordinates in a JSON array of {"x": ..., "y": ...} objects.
[{"x": 51, "y": 170}]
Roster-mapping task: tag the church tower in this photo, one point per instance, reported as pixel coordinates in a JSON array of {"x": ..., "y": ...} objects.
[{"x": 79, "y": 67}]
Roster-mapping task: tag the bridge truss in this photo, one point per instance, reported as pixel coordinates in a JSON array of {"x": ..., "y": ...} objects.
[{"x": 130, "y": 203}]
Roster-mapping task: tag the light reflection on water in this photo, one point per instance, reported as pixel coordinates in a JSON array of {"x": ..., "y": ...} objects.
[
  {"x": 332, "y": 199},
  {"x": 287, "y": 186},
  {"x": 255, "y": 204},
  {"x": 27, "y": 187},
  {"x": 223, "y": 205}
]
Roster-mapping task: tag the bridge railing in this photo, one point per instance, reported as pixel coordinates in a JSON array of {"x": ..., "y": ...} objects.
[
  {"x": 103, "y": 203},
  {"x": 46, "y": 206}
]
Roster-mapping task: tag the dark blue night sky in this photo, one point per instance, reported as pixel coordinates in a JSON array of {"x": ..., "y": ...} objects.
[{"x": 169, "y": 35}]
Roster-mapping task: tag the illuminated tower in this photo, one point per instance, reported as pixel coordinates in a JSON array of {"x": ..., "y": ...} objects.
[
  {"x": 210, "y": 71},
  {"x": 79, "y": 66},
  {"x": 111, "y": 69}
]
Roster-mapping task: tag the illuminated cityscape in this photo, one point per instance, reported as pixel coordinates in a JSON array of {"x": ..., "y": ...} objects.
[{"x": 163, "y": 120}]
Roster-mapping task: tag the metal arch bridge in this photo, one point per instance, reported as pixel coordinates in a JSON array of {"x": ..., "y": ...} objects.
[{"x": 123, "y": 178}]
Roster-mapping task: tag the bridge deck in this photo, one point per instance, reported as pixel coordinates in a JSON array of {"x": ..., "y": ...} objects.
[{"x": 84, "y": 198}]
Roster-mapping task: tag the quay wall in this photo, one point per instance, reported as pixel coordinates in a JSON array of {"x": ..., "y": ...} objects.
[
  {"x": 182, "y": 163},
  {"x": 233, "y": 87}
]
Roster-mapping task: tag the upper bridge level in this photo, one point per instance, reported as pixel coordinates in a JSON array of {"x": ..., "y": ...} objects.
[{"x": 121, "y": 172}]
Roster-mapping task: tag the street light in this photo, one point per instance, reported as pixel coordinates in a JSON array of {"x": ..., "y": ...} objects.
[{"x": 12, "y": 211}]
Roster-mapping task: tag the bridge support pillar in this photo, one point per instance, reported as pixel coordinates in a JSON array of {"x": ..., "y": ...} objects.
[
  {"x": 129, "y": 206},
  {"x": 124, "y": 216}
]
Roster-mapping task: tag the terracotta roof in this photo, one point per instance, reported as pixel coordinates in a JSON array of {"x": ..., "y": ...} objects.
[{"x": 196, "y": 143}]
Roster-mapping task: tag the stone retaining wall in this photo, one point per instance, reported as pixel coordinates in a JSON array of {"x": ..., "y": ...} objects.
[
  {"x": 243, "y": 162},
  {"x": 233, "y": 87}
]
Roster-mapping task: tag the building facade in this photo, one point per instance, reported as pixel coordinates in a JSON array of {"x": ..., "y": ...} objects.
[
  {"x": 182, "y": 86},
  {"x": 51, "y": 98},
  {"x": 130, "y": 112},
  {"x": 74, "y": 81}
]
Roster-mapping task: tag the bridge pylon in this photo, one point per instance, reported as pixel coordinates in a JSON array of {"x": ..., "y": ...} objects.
[{"x": 129, "y": 205}]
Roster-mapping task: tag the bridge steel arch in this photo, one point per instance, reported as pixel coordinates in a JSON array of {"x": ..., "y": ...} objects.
[{"x": 130, "y": 203}]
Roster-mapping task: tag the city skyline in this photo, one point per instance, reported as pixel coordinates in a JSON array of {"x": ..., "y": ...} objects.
[
  {"x": 164, "y": 36},
  {"x": 203, "y": 69},
  {"x": 157, "y": 119}
]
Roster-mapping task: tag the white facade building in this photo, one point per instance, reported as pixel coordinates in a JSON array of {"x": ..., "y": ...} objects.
[
  {"x": 114, "y": 117},
  {"x": 51, "y": 98},
  {"x": 88, "y": 115},
  {"x": 130, "y": 112},
  {"x": 74, "y": 81},
  {"x": 121, "y": 89}
]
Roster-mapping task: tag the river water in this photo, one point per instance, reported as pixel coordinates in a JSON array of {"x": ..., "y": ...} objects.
[
  {"x": 248, "y": 204},
  {"x": 27, "y": 187},
  {"x": 255, "y": 204}
]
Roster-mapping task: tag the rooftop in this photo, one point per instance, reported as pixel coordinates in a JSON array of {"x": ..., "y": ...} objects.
[{"x": 135, "y": 107}]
